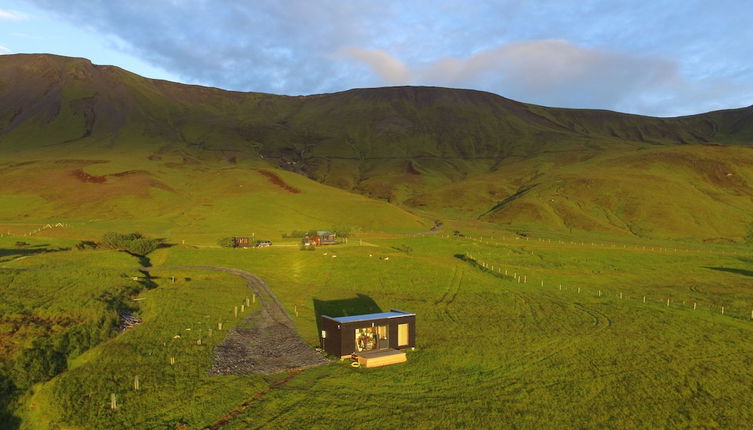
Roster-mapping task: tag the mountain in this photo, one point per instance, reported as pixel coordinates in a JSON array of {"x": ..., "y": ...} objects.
[{"x": 446, "y": 152}]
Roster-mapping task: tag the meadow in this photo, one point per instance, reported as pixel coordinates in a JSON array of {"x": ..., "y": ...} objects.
[
  {"x": 593, "y": 270},
  {"x": 581, "y": 350}
]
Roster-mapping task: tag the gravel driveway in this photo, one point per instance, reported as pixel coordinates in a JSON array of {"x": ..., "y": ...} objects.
[{"x": 266, "y": 342}]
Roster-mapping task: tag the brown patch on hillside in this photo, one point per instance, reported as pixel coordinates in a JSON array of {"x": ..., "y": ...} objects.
[
  {"x": 15, "y": 329},
  {"x": 70, "y": 191},
  {"x": 273, "y": 178},
  {"x": 85, "y": 177},
  {"x": 127, "y": 173},
  {"x": 411, "y": 169}
]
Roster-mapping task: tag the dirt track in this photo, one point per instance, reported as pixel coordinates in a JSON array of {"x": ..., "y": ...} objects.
[{"x": 268, "y": 342}]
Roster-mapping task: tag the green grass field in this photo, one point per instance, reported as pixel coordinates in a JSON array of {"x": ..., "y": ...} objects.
[
  {"x": 594, "y": 268},
  {"x": 492, "y": 351}
]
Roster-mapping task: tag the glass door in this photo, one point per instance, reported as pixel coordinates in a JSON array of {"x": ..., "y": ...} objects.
[
  {"x": 371, "y": 338},
  {"x": 383, "y": 341},
  {"x": 366, "y": 339}
]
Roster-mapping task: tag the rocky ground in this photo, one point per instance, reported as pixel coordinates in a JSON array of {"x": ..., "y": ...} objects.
[{"x": 266, "y": 341}]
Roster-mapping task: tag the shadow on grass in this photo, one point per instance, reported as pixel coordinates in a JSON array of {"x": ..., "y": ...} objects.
[
  {"x": 733, "y": 270},
  {"x": 8, "y": 421},
  {"x": 358, "y": 305},
  {"x": 7, "y": 395},
  {"x": 7, "y": 254}
]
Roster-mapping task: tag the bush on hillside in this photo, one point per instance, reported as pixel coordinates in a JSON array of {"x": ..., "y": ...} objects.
[
  {"x": 86, "y": 244},
  {"x": 48, "y": 356},
  {"x": 39, "y": 363},
  {"x": 296, "y": 234},
  {"x": 226, "y": 242},
  {"x": 143, "y": 246},
  {"x": 405, "y": 249},
  {"x": 134, "y": 243}
]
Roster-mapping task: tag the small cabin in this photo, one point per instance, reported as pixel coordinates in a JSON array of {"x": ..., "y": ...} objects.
[
  {"x": 373, "y": 339},
  {"x": 242, "y": 242},
  {"x": 320, "y": 238}
]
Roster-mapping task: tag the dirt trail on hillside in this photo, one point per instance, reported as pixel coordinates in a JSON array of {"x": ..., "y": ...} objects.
[{"x": 266, "y": 342}]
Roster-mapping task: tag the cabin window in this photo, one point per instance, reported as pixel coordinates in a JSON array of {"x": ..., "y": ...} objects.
[
  {"x": 402, "y": 334},
  {"x": 370, "y": 338}
]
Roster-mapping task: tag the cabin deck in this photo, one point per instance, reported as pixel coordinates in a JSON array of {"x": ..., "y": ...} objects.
[{"x": 383, "y": 357}]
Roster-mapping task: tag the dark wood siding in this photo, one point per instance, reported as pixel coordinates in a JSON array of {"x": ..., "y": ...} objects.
[
  {"x": 333, "y": 341},
  {"x": 342, "y": 341}
]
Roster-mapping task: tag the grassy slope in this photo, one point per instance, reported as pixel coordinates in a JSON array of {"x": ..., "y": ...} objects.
[
  {"x": 183, "y": 162},
  {"x": 54, "y": 304},
  {"x": 187, "y": 201},
  {"x": 175, "y": 317},
  {"x": 680, "y": 192},
  {"x": 491, "y": 351},
  {"x": 453, "y": 151},
  {"x": 495, "y": 352}
]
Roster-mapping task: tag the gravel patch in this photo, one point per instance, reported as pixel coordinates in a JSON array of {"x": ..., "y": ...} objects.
[{"x": 266, "y": 341}]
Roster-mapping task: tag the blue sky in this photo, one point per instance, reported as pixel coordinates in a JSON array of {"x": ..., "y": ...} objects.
[{"x": 659, "y": 57}]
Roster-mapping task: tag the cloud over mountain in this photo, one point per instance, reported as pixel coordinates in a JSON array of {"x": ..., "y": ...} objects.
[{"x": 624, "y": 57}]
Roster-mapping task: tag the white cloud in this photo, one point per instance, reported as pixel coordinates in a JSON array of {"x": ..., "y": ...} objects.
[
  {"x": 589, "y": 53},
  {"x": 555, "y": 72},
  {"x": 547, "y": 72},
  {"x": 11, "y": 15},
  {"x": 388, "y": 68},
  {"x": 5, "y": 50}
]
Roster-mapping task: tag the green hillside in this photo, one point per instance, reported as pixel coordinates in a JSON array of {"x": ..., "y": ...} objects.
[
  {"x": 189, "y": 201},
  {"x": 568, "y": 268},
  {"x": 164, "y": 148}
]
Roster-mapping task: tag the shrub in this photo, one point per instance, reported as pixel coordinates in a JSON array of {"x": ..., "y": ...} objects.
[
  {"x": 86, "y": 244},
  {"x": 39, "y": 363},
  {"x": 134, "y": 243},
  {"x": 143, "y": 246},
  {"x": 405, "y": 249},
  {"x": 226, "y": 242}
]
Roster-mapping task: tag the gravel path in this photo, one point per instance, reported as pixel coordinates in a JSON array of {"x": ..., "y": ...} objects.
[{"x": 267, "y": 343}]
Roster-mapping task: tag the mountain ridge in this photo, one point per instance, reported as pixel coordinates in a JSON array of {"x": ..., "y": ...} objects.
[{"x": 427, "y": 148}]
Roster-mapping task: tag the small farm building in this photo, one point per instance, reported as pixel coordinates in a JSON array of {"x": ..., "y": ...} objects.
[
  {"x": 242, "y": 242},
  {"x": 319, "y": 238},
  {"x": 374, "y": 339}
]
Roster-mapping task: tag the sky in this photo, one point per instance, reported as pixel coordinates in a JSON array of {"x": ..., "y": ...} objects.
[{"x": 658, "y": 57}]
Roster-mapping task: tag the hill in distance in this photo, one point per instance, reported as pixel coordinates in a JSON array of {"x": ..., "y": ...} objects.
[{"x": 82, "y": 141}]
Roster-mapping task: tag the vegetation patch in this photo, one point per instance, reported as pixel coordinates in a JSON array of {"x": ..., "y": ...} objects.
[
  {"x": 85, "y": 177},
  {"x": 275, "y": 179},
  {"x": 133, "y": 243}
]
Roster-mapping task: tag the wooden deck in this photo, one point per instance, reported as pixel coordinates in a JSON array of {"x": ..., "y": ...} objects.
[{"x": 380, "y": 358}]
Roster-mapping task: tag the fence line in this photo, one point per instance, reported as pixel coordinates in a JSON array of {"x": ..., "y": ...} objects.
[{"x": 598, "y": 292}]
